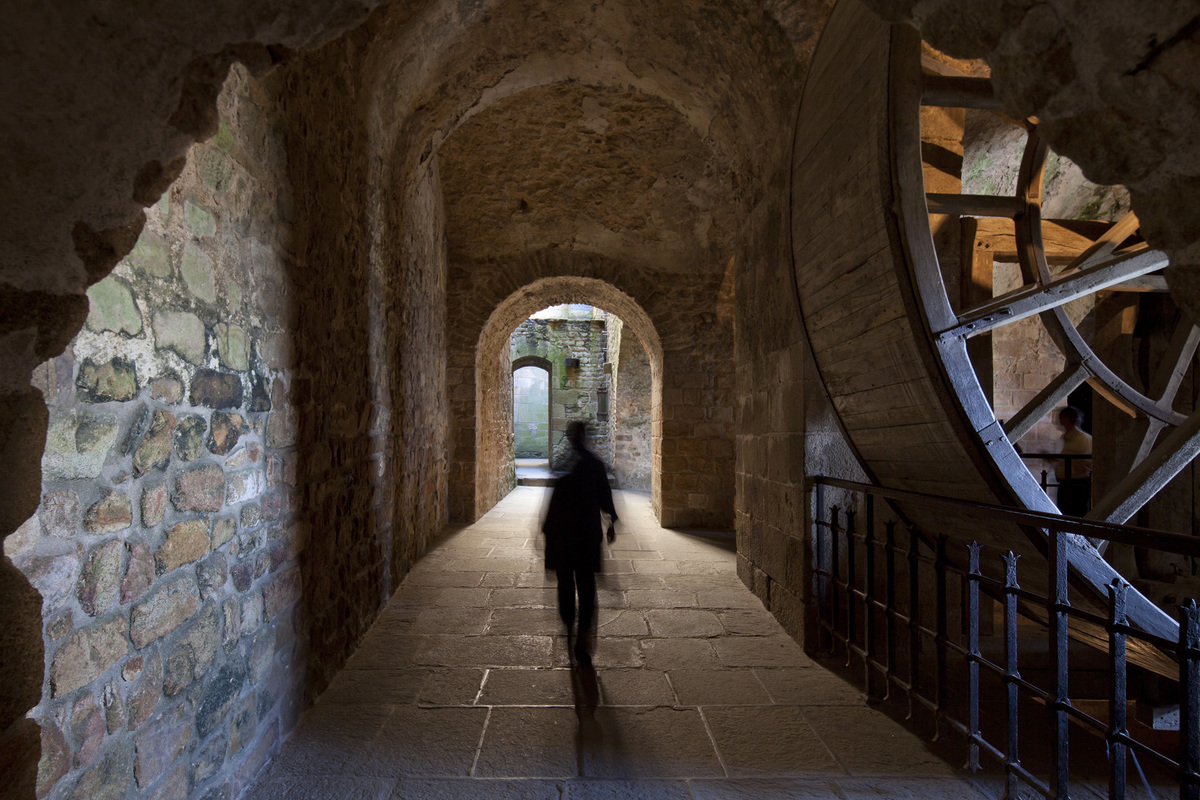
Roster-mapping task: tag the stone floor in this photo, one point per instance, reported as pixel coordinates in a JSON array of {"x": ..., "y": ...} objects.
[{"x": 463, "y": 687}]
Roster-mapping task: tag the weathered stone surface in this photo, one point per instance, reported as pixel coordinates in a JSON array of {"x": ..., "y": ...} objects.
[
  {"x": 111, "y": 381},
  {"x": 139, "y": 574},
  {"x": 111, "y": 514},
  {"x": 154, "y": 505},
  {"x": 165, "y": 608},
  {"x": 87, "y": 729},
  {"x": 147, "y": 691},
  {"x": 54, "y": 577},
  {"x": 159, "y": 744},
  {"x": 219, "y": 696},
  {"x": 281, "y": 592},
  {"x": 210, "y": 574},
  {"x": 243, "y": 486},
  {"x": 60, "y": 514},
  {"x": 64, "y": 458},
  {"x": 151, "y": 255},
  {"x": 87, "y": 654},
  {"x": 260, "y": 398},
  {"x": 250, "y": 516},
  {"x": 262, "y": 654},
  {"x": 197, "y": 270},
  {"x": 154, "y": 451},
  {"x": 110, "y": 778},
  {"x": 225, "y": 431},
  {"x": 185, "y": 542},
  {"x": 244, "y": 457},
  {"x": 242, "y": 729},
  {"x": 112, "y": 308},
  {"x": 252, "y": 613},
  {"x": 200, "y": 489},
  {"x": 200, "y": 220},
  {"x": 189, "y": 437},
  {"x": 182, "y": 333},
  {"x": 22, "y": 541},
  {"x": 174, "y": 786},
  {"x": 231, "y": 614},
  {"x": 114, "y": 708},
  {"x": 215, "y": 169},
  {"x": 216, "y": 389},
  {"x": 193, "y": 651},
  {"x": 56, "y": 757},
  {"x": 101, "y": 577},
  {"x": 232, "y": 347},
  {"x": 60, "y": 626},
  {"x": 168, "y": 389},
  {"x": 223, "y": 530},
  {"x": 243, "y": 575}
]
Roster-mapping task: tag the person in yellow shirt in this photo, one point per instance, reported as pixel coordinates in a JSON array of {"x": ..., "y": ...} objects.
[{"x": 1074, "y": 475}]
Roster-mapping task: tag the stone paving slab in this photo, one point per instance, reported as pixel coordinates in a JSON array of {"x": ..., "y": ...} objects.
[{"x": 464, "y": 688}]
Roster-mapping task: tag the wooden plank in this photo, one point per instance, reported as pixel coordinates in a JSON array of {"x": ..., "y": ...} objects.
[
  {"x": 973, "y": 205},
  {"x": 959, "y": 91},
  {"x": 1063, "y": 240}
]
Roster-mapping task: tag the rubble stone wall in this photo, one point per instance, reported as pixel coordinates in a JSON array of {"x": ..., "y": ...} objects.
[
  {"x": 573, "y": 392},
  {"x": 166, "y": 546},
  {"x": 631, "y": 406}
]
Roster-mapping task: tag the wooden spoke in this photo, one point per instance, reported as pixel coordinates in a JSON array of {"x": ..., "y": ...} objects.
[
  {"x": 974, "y": 205},
  {"x": 1067, "y": 287},
  {"x": 1107, "y": 244},
  {"x": 1045, "y": 402},
  {"x": 1151, "y": 475},
  {"x": 959, "y": 91}
]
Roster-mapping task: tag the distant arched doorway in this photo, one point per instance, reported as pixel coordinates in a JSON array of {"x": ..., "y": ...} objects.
[
  {"x": 533, "y": 425},
  {"x": 494, "y": 469}
]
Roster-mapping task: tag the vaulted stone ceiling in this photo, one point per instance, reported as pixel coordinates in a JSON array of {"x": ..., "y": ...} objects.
[{"x": 595, "y": 169}]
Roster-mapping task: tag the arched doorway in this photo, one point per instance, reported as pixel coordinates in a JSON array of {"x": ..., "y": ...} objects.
[{"x": 533, "y": 381}]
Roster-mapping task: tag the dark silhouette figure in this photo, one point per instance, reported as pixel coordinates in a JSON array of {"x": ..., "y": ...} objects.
[
  {"x": 1074, "y": 476},
  {"x": 573, "y": 530}
]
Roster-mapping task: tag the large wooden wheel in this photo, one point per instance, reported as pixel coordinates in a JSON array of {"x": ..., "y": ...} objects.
[{"x": 891, "y": 348}]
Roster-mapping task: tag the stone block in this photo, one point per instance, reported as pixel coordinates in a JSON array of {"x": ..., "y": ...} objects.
[
  {"x": 154, "y": 505},
  {"x": 219, "y": 696},
  {"x": 231, "y": 612},
  {"x": 167, "y": 389},
  {"x": 207, "y": 761},
  {"x": 217, "y": 390},
  {"x": 193, "y": 651},
  {"x": 87, "y": 730},
  {"x": 109, "y": 779},
  {"x": 112, "y": 513},
  {"x": 151, "y": 255},
  {"x": 211, "y": 574},
  {"x": 164, "y": 609},
  {"x": 139, "y": 574},
  {"x": 87, "y": 654},
  {"x": 197, "y": 270},
  {"x": 189, "y": 437},
  {"x": 245, "y": 721},
  {"x": 281, "y": 592},
  {"x": 182, "y": 333},
  {"x": 199, "y": 489},
  {"x": 244, "y": 457},
  {"x": 199, "y": 219},
  {"x": 110, "y": 381},
  {"x": 100, "y": 580},
  {"x": 184, "y": 543},
  {"x": 159, "y": 744},
  {"x": 146, "y": 692},
  {"x": 56, "y": 757},
  {"x": 154, "y": 451},
  {"x": 224, "y": 432},
  {"x": 54, "y": 577},
  {"x": 223, "y": 530},
  {"x": 60, "y": 514},
  {"x": 243, "y": 486},
  {"x": 277, "y": 351},
  {"x": 243, "y": 575},
  {"x": 112, "y": 308},
  {"x": 232, "y": 347},
  {"x": 250, "y": 516}
]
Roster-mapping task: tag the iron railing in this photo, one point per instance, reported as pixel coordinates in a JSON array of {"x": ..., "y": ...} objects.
[{"x": 883, "y": 620}]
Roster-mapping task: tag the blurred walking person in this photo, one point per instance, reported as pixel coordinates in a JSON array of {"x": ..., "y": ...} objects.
[{"x": 573, "y": 529}]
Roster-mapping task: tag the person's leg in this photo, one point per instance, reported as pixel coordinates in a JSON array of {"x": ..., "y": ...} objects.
[
  {"x": 566, "y": 597},
  {"x": 586, "y": 581}
]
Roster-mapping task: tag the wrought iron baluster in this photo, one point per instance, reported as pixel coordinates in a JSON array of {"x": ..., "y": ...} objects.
[
  {"x": 1012, "y": 758},
  {"x": 943, "y": 634},
  {"x": 889, "y": 624},
  {"x": 1117, "y": 730},
  {"x": 851, "y": 585},
  {"x": 869, "y": 618},
  {"x": 834, "y": 575},
  {"x": 914, "y": 619},
  {"x": 973, "y": 657},
  {"x": 1189, "y": 703},
  {"x": 1057, "y": 609}
]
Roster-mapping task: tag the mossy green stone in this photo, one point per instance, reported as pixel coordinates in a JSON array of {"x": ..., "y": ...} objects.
[
  {"x": 151, "y": 255},
  {"x": 197, "y": 270},
  {"x": 200, "y": 220},
  {"x": 232, "y": 347},
  {"x": 112, "y": 308},
  {"x": 215, "y": 169}
]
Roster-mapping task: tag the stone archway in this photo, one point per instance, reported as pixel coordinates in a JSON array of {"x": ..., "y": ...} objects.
[
  {"x": 493, "y": 469},
  {"x": 545, "y": 364}
]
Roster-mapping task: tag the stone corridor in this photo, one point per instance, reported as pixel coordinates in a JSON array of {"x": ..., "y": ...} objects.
[{"x": 463, "y": 688}]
